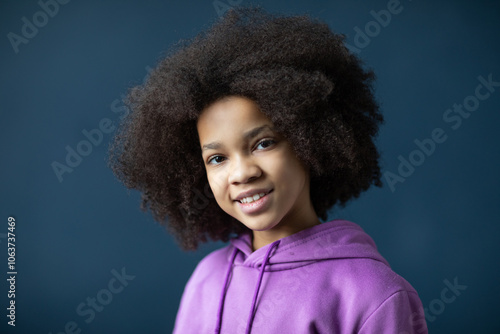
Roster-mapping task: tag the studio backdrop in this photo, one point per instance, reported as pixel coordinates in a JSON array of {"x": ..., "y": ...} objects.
[{"x": 77, "y": 255}]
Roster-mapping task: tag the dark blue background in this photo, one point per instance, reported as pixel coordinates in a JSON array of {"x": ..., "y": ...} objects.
[{"x": 440, "y": 224}]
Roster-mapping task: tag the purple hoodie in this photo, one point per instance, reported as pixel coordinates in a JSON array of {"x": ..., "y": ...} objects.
[{"x": 326, "y": 279}]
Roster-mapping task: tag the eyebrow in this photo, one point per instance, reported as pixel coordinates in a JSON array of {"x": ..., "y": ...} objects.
[{"x": 247, "y": 136}]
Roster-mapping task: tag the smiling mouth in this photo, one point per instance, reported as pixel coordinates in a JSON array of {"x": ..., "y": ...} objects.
[
  {"x": 251, "y": 199},
  {"x": 255, "y": 204}
]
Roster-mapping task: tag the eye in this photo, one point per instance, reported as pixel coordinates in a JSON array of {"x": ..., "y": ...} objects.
[
  {"x": 215, "y": 160},
  {"x": 265, "y": 143}
]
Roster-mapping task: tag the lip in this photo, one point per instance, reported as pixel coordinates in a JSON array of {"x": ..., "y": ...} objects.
[
  {"x": 257, "y": 206},
  {"x": 251, "y": 193}
]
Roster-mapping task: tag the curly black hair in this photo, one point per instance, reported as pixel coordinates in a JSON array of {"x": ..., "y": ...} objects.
[{"x": 301, "y": 75}]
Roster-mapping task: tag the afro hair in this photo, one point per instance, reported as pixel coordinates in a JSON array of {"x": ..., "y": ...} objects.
[{"x": 301, "y": 75}]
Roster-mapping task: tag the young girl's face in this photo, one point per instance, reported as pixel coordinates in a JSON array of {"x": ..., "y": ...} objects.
[{"x": 252, "y": 170}]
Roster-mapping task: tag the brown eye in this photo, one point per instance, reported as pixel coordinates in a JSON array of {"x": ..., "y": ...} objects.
[
  {"x": 263, "y": 144},
  {"x": 215, "y": 160}
]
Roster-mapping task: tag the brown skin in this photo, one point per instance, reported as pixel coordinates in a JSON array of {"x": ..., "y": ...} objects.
[
  {"x": 236, "y": 163},
  {"x": 321, "y": 100}
]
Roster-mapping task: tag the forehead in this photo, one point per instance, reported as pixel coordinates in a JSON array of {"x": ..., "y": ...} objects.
[{"x": 231, "y": 115}]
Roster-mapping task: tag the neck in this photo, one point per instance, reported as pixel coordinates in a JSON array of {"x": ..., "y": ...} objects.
[
  {"x": 299, "y": 218},
  {"x": 263, "y": 238}
]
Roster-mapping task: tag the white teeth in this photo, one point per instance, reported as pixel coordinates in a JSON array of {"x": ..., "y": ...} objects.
[{"x": 250, "y": 199}]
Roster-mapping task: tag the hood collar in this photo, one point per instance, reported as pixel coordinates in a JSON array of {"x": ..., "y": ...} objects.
[{"x": 337, "y": 239}]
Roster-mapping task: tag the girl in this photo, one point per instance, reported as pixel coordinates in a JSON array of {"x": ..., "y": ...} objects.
[{"x": 250, "y": 132}]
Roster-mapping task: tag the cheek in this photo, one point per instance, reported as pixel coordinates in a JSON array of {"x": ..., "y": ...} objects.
[
  {"x": 293, "y": 176},
  {"x": 290, "y": 167},
  {"x": 217, "y": 184}
]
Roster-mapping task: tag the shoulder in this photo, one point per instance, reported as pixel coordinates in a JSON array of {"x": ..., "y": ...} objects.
[
  {"x": 367, "y": 296},
  {"x": 203, "y": 289},
  {"x": 386, "y": 301},
  {"x": 213, "y": 264},
  {"x": 370, "y": 280},
  {"x": 207, "y": 277},
  {"x": 392, "y": 305}
]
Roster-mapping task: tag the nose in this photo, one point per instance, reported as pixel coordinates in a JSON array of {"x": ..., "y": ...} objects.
[{"x": 243, "y": 170}]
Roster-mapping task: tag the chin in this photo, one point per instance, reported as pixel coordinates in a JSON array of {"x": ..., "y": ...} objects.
[{"x": 260, "y": 225}]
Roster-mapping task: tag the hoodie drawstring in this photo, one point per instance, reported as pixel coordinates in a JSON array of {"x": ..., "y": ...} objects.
[
  {"x": 255, "y": 295},
  {"x": 222, "y": 297}
]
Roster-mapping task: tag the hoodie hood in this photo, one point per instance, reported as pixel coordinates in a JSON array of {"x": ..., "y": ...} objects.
[
  {"x": 337, "y": 239},
  {"x": 328, "y": 278}
]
